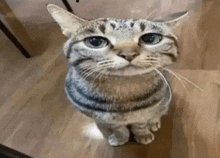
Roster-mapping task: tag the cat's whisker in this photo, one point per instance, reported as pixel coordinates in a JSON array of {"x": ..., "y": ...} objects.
[
  {"x": 87, "y": 67},
  {"x": 191, "y": 83},
  {"x": 162, "y": 76},
  {"x": 98, "y": 76},
  {"x": 95, "y": 70},
  {"x": 91, "y": 72},
  {"x": 85, "y": 72},
  {"x": 151, "y": 14},
  {"x": 182, "y": 82},
  {"x": 184, "y": 78},
  {"x": 104, "y": 73}
]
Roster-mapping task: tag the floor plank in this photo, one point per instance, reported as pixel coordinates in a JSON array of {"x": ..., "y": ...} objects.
[{"x": 43, "y": 124}]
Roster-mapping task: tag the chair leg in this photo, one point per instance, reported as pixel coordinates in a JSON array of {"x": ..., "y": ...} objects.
[
  {"x": 67, "y": 5},
  {"x": 14, "y": 40}
]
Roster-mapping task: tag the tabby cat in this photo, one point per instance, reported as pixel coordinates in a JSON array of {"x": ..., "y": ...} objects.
[{"x": 116, "y": 73}]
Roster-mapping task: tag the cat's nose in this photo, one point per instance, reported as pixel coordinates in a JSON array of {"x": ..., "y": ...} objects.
[{"x": 128, "y": 55}]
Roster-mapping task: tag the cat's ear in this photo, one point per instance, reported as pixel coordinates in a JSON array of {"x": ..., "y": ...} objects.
[
  {"x": 68, "y": 22},
  {"x": 176, "y": 19}
]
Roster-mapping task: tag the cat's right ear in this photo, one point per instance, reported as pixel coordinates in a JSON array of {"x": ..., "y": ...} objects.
[
  {"x": 176, "y": 19},
  {"x": 173, "y": 20},
  {"x": 68, "y": 22}
]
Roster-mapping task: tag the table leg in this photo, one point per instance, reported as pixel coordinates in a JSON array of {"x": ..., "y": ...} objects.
[
  {"x": 67, "y": 5},
  {"x": 14, "y": 40}
]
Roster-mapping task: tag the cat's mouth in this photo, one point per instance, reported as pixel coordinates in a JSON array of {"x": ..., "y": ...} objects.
[{"x": 130, "y": 70}]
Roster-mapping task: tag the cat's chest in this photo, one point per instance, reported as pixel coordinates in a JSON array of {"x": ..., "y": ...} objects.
[{"x": 126, "y": 88}]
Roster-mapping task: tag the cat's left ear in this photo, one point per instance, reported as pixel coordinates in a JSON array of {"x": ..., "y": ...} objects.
[
  {"x": 68, "y": 22},
  {"x": 176, "y": 19}
]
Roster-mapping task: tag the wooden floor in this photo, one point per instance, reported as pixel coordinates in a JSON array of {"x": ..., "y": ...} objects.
[
  {"x": 36, "y": 118},
  {"x": 41, "y": 122}
]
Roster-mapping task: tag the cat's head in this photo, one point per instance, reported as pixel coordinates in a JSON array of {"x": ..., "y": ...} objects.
[{"x": 118, "y": 46}]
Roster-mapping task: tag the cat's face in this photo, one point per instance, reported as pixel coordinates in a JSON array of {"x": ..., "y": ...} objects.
[{"x": 117, "y": 46}]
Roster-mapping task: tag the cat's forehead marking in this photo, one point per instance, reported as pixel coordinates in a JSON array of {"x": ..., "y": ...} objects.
[
  {"x": 132, "y": 24},
  {"x": 120, "y": 24},
  {"x": 102, "y": 28},
  {"x": 120, "y": 27},
  {"x": 142, "y": 26}
]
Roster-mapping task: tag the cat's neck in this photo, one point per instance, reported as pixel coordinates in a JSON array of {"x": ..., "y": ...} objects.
[{"x": 123, "y": 87}]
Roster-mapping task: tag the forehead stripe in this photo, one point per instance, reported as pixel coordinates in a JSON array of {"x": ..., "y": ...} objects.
[
  {"x": 90, "y": 31},
  {"x": 102, "y": 28},
  {"x": 113, "y": 25},
  {"x": 142, "y": 26}
]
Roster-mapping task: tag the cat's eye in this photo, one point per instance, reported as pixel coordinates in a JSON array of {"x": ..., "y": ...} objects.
[
  {"x": 96, "y": 42},
  {"x": 151, "y": 38}
]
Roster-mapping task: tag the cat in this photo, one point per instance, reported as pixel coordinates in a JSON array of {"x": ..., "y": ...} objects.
[{"x": 116, "y": 73}]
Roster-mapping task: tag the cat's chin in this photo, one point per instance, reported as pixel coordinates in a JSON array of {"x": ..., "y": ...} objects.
[{"x": 130, "y": 71}]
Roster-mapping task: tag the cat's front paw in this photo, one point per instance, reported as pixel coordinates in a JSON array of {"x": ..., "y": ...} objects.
[
  {"x": 155, "y": 124},
  {"x": 114, "y": 141},
  {"x": 145, "y": 139}
]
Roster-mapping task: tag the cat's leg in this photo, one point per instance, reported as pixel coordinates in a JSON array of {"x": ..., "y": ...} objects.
[
  {"x": 115, "y": 134},
  {"x": 142, "y": 133}
]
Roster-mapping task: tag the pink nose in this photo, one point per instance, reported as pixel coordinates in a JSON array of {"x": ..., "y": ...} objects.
[{"x": 128, "y": 55}]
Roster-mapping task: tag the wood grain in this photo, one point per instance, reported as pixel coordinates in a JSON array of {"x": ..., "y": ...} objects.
[{"x": 36, "y": 118}]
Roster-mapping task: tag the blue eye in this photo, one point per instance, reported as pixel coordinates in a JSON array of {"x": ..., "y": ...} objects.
[
  {"x": 96, "y": 42},
  {"x": 151, "y": 38}
]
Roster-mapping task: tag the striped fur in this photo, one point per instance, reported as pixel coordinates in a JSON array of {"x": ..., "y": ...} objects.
[{"x": 102, "y": 84}]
